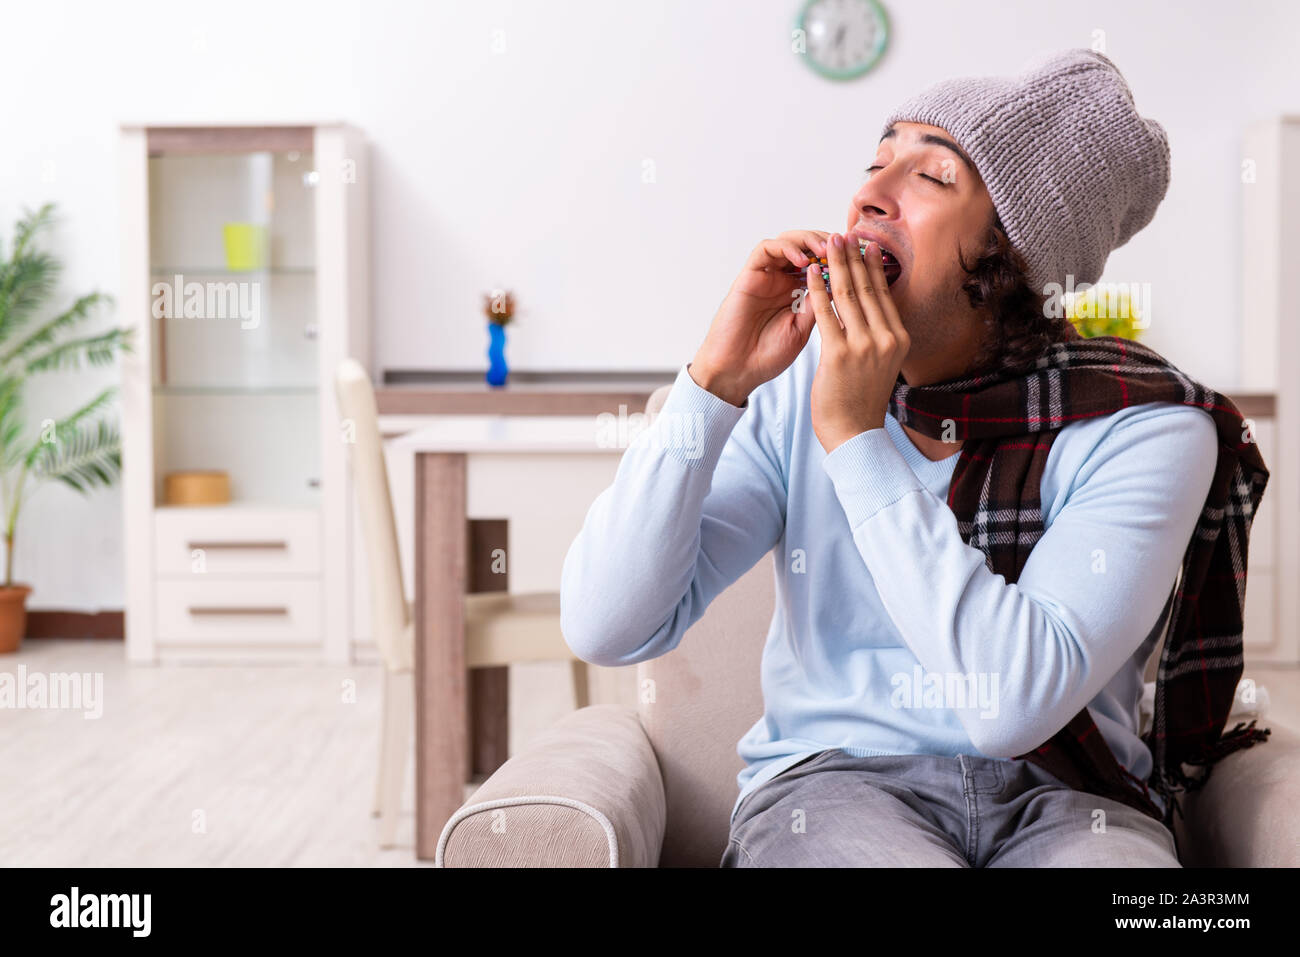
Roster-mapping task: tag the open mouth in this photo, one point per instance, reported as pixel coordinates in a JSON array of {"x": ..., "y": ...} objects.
[{"x": 893, "y": 269}]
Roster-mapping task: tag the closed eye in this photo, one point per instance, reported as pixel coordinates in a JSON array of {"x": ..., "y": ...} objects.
[{"x": 922, "y": 175}]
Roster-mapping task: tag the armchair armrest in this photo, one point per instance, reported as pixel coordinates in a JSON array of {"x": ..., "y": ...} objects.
[
  {"x": 1245, "y": 816},
  {"x": 586, "y": 793}
]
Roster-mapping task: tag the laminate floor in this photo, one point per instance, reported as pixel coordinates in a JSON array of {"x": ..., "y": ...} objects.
[
  {"x": 246, "y": 765},
  {"x": 215, "y": 765}
]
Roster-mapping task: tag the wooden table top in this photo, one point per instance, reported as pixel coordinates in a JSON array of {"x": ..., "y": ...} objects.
[
  {"x": 552, "y": 434},
  {"x": 584, "y": 394},
  {"x": 526, "y": 393}
]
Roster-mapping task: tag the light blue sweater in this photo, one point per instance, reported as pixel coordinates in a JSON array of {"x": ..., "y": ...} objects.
[{"x": 884, "y": 616}]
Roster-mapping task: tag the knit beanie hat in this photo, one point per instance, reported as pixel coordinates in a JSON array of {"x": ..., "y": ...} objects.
[{"x": 1072, "y": 169}]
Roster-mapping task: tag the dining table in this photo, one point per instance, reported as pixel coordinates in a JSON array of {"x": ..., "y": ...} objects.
[{"x": 487, "y": 485}]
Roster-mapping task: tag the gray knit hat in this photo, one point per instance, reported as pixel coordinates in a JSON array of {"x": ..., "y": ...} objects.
[{"x": 1072, "y": 169}]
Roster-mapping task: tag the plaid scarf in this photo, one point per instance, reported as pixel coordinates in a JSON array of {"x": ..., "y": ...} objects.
[{"x": 1007, "y": 421}]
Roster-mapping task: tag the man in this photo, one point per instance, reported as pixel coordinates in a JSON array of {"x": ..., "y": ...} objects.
[{"x": 979, "y": 526}]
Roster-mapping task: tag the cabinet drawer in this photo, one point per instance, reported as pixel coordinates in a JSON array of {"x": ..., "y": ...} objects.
[
  {"x": 236, "y": 542},
  {"x": 233, "y": 612}
]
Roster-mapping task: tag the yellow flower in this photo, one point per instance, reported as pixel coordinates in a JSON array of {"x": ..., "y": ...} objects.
[{"x": 1104, "y": 311}]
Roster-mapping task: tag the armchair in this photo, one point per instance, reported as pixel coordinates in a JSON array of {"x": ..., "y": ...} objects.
[{"x": 653, "y": 786}]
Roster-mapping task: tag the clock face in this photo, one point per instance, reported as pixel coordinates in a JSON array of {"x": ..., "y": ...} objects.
[{"x": 845, "y": 38}]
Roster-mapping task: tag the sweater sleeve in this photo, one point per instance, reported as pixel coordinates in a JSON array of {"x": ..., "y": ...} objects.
[
  {"x": 1091, "y": 590},
  {"x": 699, "y": 497}
]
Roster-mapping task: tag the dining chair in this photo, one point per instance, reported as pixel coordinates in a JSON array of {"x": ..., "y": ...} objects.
[{"x": 501, "y": 628}]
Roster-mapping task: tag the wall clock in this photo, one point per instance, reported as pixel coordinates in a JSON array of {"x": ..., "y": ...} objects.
[{"x": 844, "y": 38}]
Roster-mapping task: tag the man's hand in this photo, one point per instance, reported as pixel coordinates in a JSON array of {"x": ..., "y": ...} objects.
[
  {"x": 761, "y": 327},
  {"x": 862, "y": 351}
]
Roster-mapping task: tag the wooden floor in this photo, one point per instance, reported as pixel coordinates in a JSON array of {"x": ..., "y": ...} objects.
[
  {"x": 214, "y": 765},
  {"x": 244, "y": 765}
]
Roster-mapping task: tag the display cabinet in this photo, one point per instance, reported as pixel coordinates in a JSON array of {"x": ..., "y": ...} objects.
[{"x": 245, "y": 270}]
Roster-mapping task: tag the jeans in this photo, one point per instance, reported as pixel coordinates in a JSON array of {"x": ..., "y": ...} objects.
[{"x": 923, "y": 810}]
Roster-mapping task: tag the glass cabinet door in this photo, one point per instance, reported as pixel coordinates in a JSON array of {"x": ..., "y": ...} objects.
[{"x": 233, "y": 299}]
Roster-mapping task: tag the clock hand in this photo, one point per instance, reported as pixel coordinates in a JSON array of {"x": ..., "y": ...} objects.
[{"x": 839, "y": 35}]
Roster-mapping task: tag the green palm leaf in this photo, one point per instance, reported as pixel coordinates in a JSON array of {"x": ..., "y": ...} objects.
[
  {"x": 29, "y": 226},
  {"x": 78, "y": 312},
  {"x": 65, "y": 430},
  {"x": 25, "y": 283},
  {"x": 27, "y": 276},
  {"x": 98, "y": 350},
  {"x": 91, "y": 456},
  {"x": 11, "y": 421}
]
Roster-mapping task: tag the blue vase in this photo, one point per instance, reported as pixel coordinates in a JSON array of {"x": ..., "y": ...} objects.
[{"x": 497, "y": 368}]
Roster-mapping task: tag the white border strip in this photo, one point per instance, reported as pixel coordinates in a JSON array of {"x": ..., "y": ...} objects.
[{"x": 587, "y": 809}]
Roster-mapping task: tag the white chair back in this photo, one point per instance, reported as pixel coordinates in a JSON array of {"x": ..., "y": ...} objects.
[{"x": 389, "y": 613}]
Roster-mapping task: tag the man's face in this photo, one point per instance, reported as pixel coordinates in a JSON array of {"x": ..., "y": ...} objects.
[{"x": 921, "y": 200}]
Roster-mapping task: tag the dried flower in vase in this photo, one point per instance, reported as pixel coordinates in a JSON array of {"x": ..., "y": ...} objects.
[{"x": 499, "y": 307}]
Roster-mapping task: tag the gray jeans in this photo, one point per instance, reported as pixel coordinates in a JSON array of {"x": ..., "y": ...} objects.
[{"x": 923, "y": 810}]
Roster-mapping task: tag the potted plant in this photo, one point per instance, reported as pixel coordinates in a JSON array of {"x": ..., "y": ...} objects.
[{"x": 82, "y": 449}]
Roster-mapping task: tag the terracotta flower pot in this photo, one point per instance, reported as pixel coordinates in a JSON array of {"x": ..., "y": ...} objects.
[{"x": 13, "y": 616}]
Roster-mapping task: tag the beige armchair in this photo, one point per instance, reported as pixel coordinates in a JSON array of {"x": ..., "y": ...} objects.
[{"x": 611, "y": 786}]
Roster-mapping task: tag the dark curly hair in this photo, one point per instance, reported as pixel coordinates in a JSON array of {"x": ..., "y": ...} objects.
[{"x": 1019, "y": 330}]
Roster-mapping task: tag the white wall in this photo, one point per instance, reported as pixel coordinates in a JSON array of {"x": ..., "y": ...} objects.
[{"x": 524, "y": 167}]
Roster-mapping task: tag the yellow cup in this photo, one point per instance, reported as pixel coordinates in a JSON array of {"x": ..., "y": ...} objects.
[{"x": 245, "y": 246}]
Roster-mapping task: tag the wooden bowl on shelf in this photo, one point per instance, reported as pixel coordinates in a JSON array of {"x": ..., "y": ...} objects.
[{"x": 210, "y": 487}]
